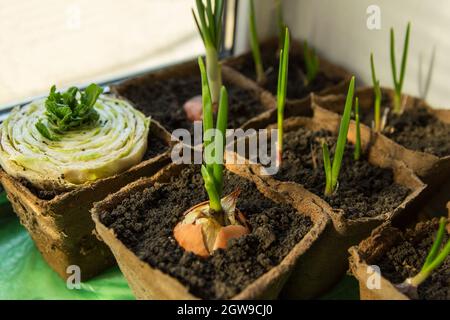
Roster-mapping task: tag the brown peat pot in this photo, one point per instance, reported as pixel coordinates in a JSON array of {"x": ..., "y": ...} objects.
[
  {"x": 331, "y": 78},
  {"x": 138, "y": 227},
  {"x": 398, "y": 253},
  {"x": 374, "y": 190},
  {"x": 162, "y": 95},
  {"x": 61, "y": 224},
  {"x": 420, "y": 137}
]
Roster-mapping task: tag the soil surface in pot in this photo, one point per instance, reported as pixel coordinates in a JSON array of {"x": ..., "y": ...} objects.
[
  {"x": 406, "y": 258},
  {"x": 164, "y": 100},
  {"x": 364, "y": 190},
  {"x": 144, "y": 222},
  {"x": 296, "y": 88},
  {"x": 415, "y": 129},
  {"x": 156, "y": 146}
]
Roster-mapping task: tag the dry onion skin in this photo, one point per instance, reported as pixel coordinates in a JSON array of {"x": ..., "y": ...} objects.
[
  {"x": 116, "y": 142},
  {"x": 201, "y": 233}
]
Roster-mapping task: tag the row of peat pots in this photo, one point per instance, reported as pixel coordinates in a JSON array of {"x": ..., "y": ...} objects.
[{"x": 299, "y": 242}]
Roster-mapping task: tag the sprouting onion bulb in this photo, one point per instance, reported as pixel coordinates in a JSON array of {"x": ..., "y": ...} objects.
[
  {"x": 436, "y": 256},
  {"x": 65, "y": 159},
  {"x": 209, "y": 225},
  {"x": 202, "y": 233}
]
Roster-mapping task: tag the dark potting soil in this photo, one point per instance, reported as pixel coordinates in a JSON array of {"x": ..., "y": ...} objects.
[
  {"x": 415, "y": 129},
  {"x": 164, "y": 100},
  {"x": 364, "y": 190},
  {"x": 156, "y": 146},
  {"x": 144, "y": 222},
  {"x": 419, "y": 130},
  {"x": 296, "y": 88},
  {"x": 406, "y": 258},
  {"x": 40, "y": 193}
]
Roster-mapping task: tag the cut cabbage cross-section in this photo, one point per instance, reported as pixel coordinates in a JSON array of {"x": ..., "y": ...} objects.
[{"x": 117, "y": 141}]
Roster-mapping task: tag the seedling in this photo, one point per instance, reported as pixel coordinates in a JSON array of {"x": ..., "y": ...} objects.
[
  {"x": 281, "y": 92},
  {"x": 311, "y": 63},
  {"x": 332, "y": 171},
  {"x": 357, "y": 151},
  {"x": 209, "y": 225},
  {"x": 212, "y": 171},
  {"x": 399, "y": 79},
  {"x": 280, "y": 22},
  {"x": 377, "y": 94},
  {"x": 424, "y": 86},
  {"x": 209, "y": 24},
  {"x": 434, "y": 259},
  {"x": 69, "y": 110},
  {"x": 254, "y": 43}
]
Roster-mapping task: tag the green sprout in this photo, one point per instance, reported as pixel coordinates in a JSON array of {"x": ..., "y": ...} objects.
[
  {"x": 357, "y": 152},
  {"x": 68, "y": 110},
  {"x": 212, "y": 170},
  {"x": 254, "y": 43},
  {"x": 399, "y": 79},
  {"x": 210, "y": 217},
  {"x": 281, "y": 92},
  {"x": 311, "y": 63},
  {"x": 332, "y": 171},
  {"x": 280, "y": 23},
  {"x": 209, "y": 24},
  {"x": 433, "y": 260},
  {"x": 377, "y": 93}
]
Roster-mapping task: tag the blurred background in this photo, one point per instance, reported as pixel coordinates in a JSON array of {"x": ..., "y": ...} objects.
[{"x": 73, "y": 42}]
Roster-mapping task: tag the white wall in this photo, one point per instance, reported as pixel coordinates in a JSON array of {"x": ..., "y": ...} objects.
[
  {"x": 71, "y": 42},
  {"x": 338, "y": 29}
]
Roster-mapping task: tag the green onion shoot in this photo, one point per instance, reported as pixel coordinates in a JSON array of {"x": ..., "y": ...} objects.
[
  {"x": 281, "y": 93},
  {"x": 357, "y": 151},
  {"x": 434, "y": 259},
  {"x": 332, "y": 170},
  {"x": 311, "y": 63},
  {"x": 377, "y": 94},
  {"x": 280, "y": 22},
  {"x": 399, "y": 79},
  {"x": 212, "y": 170},
  {"x": 254, "y": 44},
  {"x": 209, "y": 24},
  {"x": 209, "y": 225}
]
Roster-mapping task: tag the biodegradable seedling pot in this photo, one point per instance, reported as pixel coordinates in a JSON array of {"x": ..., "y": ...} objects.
[
  {"x": 433, "y": 169},
  {"x": 349, "y": 228},
  {"x": 331, "y": 79},
  {"x": 406, "y": 246},
  {"x": 162, "y": 94},
  {"x": 173, "y": 278},
  {"x": 61, "y": 225}
]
